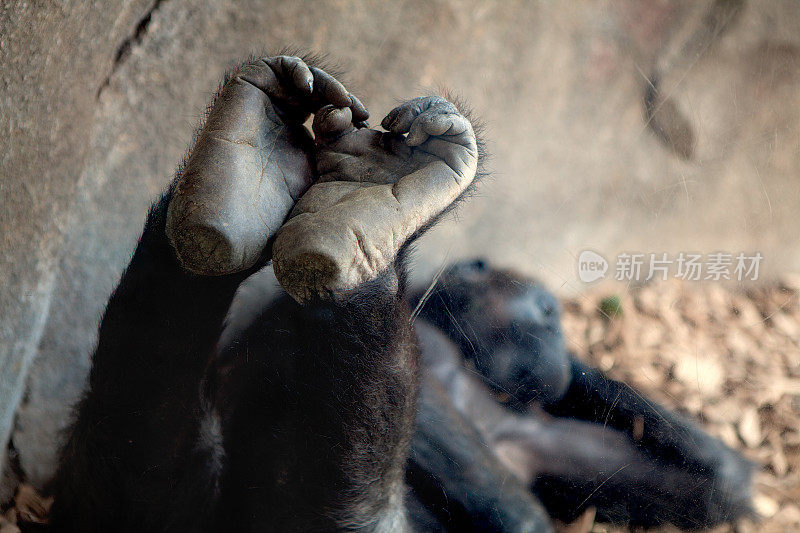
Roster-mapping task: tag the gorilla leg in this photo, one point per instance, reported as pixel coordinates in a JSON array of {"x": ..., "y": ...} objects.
[
  {"x": 316, "y": 405},
  {"x": 572, "y": 465},
  {"x": 664, "y": 436},
  {"x": 313, "y": 432},
  {"x": 136, "y": 458},
  {"x": 315, "y": 402},
  {"x": 126, "y": 456}
]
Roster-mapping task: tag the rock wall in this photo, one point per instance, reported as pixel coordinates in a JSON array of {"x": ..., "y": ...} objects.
[{"x": 52, "y": 64}]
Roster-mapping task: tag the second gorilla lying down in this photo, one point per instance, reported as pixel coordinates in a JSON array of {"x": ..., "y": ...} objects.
[
  {"x": 303, "y": 421},
  {"x": 571, "y": 435}
]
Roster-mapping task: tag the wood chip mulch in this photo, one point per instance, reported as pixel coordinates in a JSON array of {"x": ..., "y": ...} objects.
[{"x": 729, "y": 356}]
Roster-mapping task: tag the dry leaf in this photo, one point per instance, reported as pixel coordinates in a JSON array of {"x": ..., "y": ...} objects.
[
  {"x": 750, "y": 428},
  {"x": 764, "y": 505},
  {"x": 700, "y": 372}
]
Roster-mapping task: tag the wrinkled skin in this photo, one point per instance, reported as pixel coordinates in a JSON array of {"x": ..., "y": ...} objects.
[
  {"x": 251, "y": 162},
  {"x": 591, "y": 455},
  {"x": 303, "y": 421},
  {"x": 375, "y": 191}
]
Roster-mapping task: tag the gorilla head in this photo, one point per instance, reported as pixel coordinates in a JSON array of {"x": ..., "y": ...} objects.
[{"x": 508, "y": 325}]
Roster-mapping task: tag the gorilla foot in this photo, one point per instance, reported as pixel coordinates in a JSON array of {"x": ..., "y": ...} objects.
[
  {"x": 252, "y": 160},
  {"x": 376, "y": 190}
]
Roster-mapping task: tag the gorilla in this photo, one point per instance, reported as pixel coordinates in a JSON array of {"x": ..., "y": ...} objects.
[
  {"x": 572, "y": 437},
  {"x": 335, "y": 408}
]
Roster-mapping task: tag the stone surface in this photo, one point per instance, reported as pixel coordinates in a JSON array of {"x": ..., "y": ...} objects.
[
  {"x": 52, "y": 63},
  {"x": 559, "y": 85}
]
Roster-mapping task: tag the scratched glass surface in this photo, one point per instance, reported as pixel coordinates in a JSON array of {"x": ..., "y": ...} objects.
[{"x": 609, "y": 322}]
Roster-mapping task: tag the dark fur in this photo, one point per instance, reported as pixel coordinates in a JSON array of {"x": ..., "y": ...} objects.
[
  {"x": 318, "y": 405},
  {"x": 456, "y": 478},
  {"x": 590, "y": 456},
  {"x": 302, "y": 423}
]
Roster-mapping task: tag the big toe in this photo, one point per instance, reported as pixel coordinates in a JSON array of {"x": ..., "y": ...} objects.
[{"x": 331, "y": 122}]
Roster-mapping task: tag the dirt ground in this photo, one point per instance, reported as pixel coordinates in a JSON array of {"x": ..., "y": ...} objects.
[{"x": 727, "y": 356}]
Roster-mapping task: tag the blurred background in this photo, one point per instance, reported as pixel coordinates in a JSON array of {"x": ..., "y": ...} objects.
[{"x": 652, "y": 126}]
